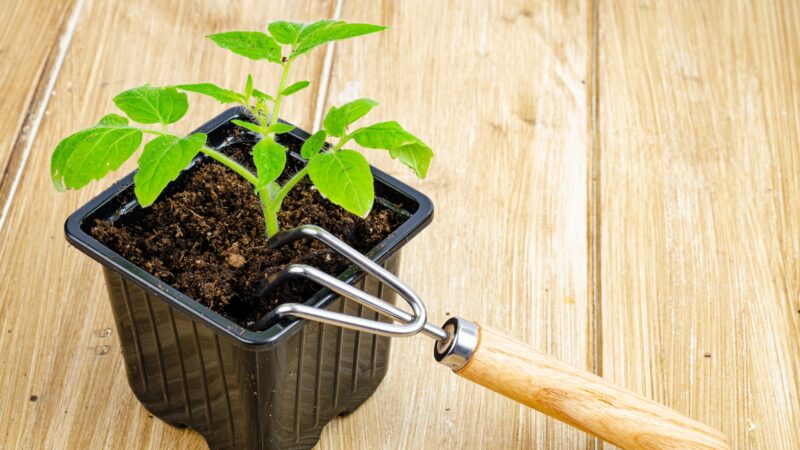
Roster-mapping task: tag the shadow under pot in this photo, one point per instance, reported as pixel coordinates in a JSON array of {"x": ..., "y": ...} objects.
[{"x": 240, "y": 388}]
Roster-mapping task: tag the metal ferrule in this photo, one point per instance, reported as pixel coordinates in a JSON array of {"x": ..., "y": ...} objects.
[{"x": 462, "y": 341}]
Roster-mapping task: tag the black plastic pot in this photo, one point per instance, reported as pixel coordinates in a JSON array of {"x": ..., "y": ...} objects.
[{"x": 240, "y": 388}]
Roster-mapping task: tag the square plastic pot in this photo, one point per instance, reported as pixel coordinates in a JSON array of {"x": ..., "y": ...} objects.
[{"x": 240, "y": 388}]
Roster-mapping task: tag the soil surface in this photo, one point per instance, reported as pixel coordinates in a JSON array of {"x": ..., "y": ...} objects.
[{"x": 208, "y": 240}]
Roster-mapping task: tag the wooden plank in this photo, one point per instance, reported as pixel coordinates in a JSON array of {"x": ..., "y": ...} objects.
[
  {"x": 700, "y": 129},
  {"x": 30, "y": 41},
  {"x": 497, "y": 89},
  {"x": 53, "y": 300}
]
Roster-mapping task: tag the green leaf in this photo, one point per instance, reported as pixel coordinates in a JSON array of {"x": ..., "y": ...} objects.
[
  {"x": 313, "y": 144},
  {"x": 318, "y": 33},
  {"x": 285, "y": 32},
  {"x": 385, "y": 135},
  {"x": 91, "y": 154},
  {"x": 294, "y": 87},
  {"x": 220, "y": 94},
  {"x": 62, "y": 152},
  {"x": 248, "y": 86},
  {"x": 247, "y": 125},
  {"x": 345, "y": 179},
  {"x": 112, "y": 121},
  {"x": 161, "y": 162},
  {"x": 416, "y": 156},
  {"x": 67, "y": 146},
  {"x": 269, "y": 157},
  {"x": 310, "y": 28},
  {"x": 148, "y": 104},
  {"x": 402, "y": 145},
  {"x": 273, "y": 189},
  {"x": 250, "y": 44},
  {"x": 265, "y": 96},
  {"x": 261, "y": 110},
  {"x": 280, "y": 127},
  {"x": 338, "y": 119}
]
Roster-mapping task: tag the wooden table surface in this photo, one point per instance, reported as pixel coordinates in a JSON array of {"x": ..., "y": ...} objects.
[{"x": 616, "y": 182}]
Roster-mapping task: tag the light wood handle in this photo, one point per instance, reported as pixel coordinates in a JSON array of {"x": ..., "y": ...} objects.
[{"x": 582, "y": 399}]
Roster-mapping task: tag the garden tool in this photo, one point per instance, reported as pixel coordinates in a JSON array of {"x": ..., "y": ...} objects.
[{"x": 496, "y": 361}]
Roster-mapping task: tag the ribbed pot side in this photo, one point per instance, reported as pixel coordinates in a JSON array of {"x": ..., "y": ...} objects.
[{"x": 188, "y": 374}]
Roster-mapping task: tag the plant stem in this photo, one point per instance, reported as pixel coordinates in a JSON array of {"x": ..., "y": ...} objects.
[
  {"x": 151, "y": 131},
  {"x": 343, "y": 140},
  {"x": 279, "y": 96},
  {"x": 231, "y": 164},
  {"x": 270, "y": 213},
  {"x": 272, "y": 205},
  {"x": 278, "y": 200}
]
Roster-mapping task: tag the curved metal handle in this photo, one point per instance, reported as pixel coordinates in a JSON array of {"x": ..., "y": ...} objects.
[{"x": 412, "y": 323}]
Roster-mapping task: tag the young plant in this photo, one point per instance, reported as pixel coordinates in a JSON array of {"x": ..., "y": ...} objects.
[{"x": 340, "y": 174}]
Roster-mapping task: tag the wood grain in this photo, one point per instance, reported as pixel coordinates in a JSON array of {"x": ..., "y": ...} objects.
[
  {"x": 699, "y": 136},
  {"x": 54, "y": 306},
  {"x": 693, "y": 146},
  {"x": 582, "y": 399},
  {"x": 497, "y": 89},
  {"x": 29, "y": 47}
]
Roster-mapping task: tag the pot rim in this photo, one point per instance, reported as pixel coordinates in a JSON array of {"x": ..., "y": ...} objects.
[{"x": 282, "y": 328}]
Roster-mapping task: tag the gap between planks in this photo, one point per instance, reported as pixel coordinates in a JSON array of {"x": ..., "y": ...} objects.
[
  {"x": 35, "y": 115},
  {"x": 325, "y": 74},
  {"x": 593, "y": 197}
]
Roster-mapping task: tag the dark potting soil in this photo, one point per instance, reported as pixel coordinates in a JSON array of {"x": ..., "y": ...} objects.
[{"x": 208, "y": 240}]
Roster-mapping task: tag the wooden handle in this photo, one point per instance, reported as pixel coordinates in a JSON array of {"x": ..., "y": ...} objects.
[{"x": 581, "y": 399}]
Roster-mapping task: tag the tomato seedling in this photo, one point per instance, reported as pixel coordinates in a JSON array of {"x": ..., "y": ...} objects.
[{"x": 340, "y": 174}]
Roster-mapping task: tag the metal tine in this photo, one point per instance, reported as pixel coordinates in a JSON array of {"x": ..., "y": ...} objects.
[
  {"x": 412, "y": 323},
  {"x": 336, "y": 285}
]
